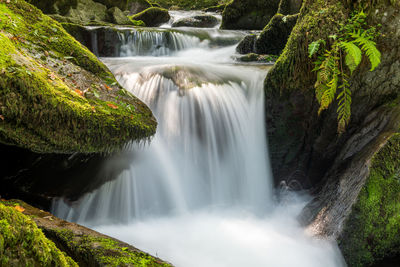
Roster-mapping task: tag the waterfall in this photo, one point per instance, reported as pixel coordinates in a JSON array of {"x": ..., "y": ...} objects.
[{"x": 201, "y": 193}]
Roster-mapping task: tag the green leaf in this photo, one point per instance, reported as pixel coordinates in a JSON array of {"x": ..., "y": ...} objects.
[
  {"x": 353, "y": 55},
  {"x": 313, "y": 48}
]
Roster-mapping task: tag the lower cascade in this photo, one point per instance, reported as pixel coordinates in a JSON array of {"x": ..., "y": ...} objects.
[{"x": 201, "y": 194}]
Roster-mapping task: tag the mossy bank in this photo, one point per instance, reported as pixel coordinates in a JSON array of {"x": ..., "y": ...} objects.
[{"x": 56, "y": 96}]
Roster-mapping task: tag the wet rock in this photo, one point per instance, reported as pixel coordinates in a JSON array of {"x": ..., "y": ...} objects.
[
  {"x": 247, "y": 45},
  {"x": 137, "y": 6},
  {"x": 153, "y": 16},
  {"x": 201, "y": 21}
]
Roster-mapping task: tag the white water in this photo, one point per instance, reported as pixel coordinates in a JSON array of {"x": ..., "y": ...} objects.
[{"x": 201, "y": 193}]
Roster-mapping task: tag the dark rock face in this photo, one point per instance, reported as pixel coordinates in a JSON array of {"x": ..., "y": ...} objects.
[
  {"x": 153, "y": 16},
  {"x": 289, "y": 7},
  {"x": 38, "y": 178},
  {"x": 201, "y": 21},
  {"x": 136, "y": 6},
  {"x": 272, "y": 39},
  {"x": 248, "y": 14},
  {"x": 306, "y": 147}
]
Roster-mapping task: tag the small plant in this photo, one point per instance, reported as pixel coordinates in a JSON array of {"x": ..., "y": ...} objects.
[{"x": 354, "y": 40}]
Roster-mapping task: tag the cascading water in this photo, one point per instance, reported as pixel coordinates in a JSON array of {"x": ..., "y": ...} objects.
[{"x": 201, "y": 193}]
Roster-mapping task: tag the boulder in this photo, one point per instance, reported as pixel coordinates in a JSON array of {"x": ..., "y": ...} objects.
[
  {"x": 137, "y": 6},
  {"x": 24, "y": 244},
  {"x": 247, "y": 45},
  {"x": 153, "y": 16},
  {"x": 274, "y": 37},
  {"x": 248, "y": 14},
  {"x": 85, "y": 246},
  {"x": 116, "y": 16},
  {"x": 200, "y": 21},
  {"x": 289, "y": 7},
  {"x": 57, "y": 97}
]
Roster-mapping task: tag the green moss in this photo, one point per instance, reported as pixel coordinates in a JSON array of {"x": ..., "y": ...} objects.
[
  {"x": 44, "y": 110},
  {"x": 372, "y": 231},
  {"x": 105, "y": 251},
  {"x": 23, "y": 244}
]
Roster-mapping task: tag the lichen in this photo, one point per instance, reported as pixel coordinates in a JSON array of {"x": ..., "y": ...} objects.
[
  {"x": 55, "y": 95},
  {"x": 372, "y": 230},
  {"x": 23, "y": 244}
]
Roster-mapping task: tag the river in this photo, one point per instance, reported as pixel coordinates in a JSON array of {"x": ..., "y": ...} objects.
[{"x": 200, "y": 194}]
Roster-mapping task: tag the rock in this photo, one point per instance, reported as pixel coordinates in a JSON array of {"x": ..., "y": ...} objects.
[
  {"x": 116, "y": 16},
  {"x": 60, "y": 7},
  {"x": 306, "y": 147},
  {"x": 247, "y": 45},
  {"x": 57, "y": 97},
  {"x": 153, "y": 16},
  {"x": 137, "y": 6},
  {"x": 274, "y": 37},
  {"x": 252, "y": 57},
  {"x": 289, "y": 7},
  {"x": 200, "y": 21},
  {"x": 372, "y": 230},
  {"x": 23, "y": 244},
  {"x": 87, "y": 10},
  {"x": 85, "y": 246},
  {"x": 248, "y": 15}
]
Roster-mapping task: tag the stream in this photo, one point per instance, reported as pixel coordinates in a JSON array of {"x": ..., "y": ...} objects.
[{"x": 200, "y": 194}]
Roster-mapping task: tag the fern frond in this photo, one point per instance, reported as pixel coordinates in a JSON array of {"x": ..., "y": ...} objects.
[
  {"x": 329, "y": 94},
  {"x": 344, "y": 106},
  {"x": 353, "y": 55},
  {"x": 369, "y": 47}
]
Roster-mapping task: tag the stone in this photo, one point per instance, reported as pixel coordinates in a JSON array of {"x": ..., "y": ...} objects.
[
  {"x": 153, "y": 16},
  {"x": 200, "y": 21}
]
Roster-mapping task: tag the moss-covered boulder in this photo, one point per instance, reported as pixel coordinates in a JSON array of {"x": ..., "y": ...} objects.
[
  {"x": 137, "y": 6},
  {"x": 200, "y": 21},
  {"x": 152, "y": 17},
  {"x": 372, "y": 231},
  {"x": 274, "y": 37},
  {"x": 116, "y": 16},
  {"x": 55, "y": 95},
  {"x": 22, "y": 243},
  {"x": 248, "y": 14},
  {"x": 85, "y": 246}
]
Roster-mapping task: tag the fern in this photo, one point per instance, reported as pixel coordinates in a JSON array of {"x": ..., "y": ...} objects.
[
  {"x": 353, "y": 55},
  {"x": 352, "y": 41},
  {"x": 344, "y": 106},
  {"x": 369, "y": 47}
]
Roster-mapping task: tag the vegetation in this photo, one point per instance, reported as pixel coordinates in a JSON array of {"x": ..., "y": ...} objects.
[
  {"x": 354, "y": 39},
  {"x": 373, "y": 228},
  {"x": 23, "y": 244}
]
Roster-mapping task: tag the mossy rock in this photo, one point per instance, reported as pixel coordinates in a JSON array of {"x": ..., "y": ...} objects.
[
  {"x": 55, "y": 95},
  {"x": 116, "y": 16},
  {"x": 137, "y": 6},
  {"x": 247, "y": 45},
  {"x": 152, "y": 17},
  {"x": 60, "y": 7},
  {"x": 85, "y": 246},
  {"x": 200, "y": 21},
  {"x": 273, "y": 38},
  {"x": 289, "y": 7},
  {"x": 22, "y": 243},
  {"x": 372, "y": 231},
  {"x": 248, "y": 14}
]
